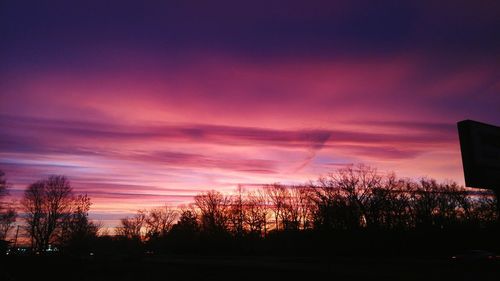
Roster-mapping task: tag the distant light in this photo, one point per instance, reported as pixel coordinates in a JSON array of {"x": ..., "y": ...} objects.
[{"x": 91, "y": 254}]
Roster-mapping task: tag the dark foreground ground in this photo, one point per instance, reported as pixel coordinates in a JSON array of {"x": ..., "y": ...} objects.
[{"x": 246, "y": 268}]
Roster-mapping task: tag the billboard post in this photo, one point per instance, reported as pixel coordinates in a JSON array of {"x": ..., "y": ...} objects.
[{"x": 480, "y": 148}]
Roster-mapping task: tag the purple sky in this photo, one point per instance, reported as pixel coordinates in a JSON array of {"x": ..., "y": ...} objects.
[{"x": 145, "y": 104}]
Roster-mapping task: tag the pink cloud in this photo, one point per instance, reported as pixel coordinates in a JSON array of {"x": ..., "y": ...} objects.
[{"x": 163, "y": 132}]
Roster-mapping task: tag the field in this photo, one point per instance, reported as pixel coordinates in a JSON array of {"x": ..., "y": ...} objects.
[{"x": 246, "y": 268}]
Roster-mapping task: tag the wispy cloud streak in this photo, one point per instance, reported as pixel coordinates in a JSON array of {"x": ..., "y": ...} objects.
[{"x": 174, "y": 98}]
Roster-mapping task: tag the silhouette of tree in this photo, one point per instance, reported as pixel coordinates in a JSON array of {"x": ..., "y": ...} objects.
[
  {"x": 277, "y": 195},
  {"x": 47, "y": 204},
  {"x": 394, "y": 204},
  {"x": 255, "y": 213},
  {"x": 187, "y": 223},
  {"x": 7, "y": 219},
  {"x": 425, "y": 203},
  {"x": 451, "y": 202},
  {"x": 357, "y": 185},
  {"x": 483, "y": 210},
  {"x": 131, "y": 227},
  {"x": 386, "y": 205},
  {"x": 236, "y": 213},
  {"x": 348, "y": 199},
  {"x": 7, "y": 213},
  {"x": 213, "y": 207},
  {"x": 184, "y": 236},
  {"x": 328, "y": 204},
  {"x": 159, "y": 221},
  {"x": 296, "y": 208},
  {"x": 77, "y": 231}
]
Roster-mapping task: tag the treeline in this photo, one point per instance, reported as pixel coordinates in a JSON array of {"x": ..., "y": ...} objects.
[
  {"x": 353, "y": 210},
  {"x": 354, "y": 204}
]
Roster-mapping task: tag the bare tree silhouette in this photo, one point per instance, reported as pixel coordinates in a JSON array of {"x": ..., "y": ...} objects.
[
  {"x": 131, "y": 227},
  {"x": 214, "y": 215},
  {"x": 255, "y": 213},
  {"x": 187, "y": 223},
  {"x": 236, "y": 213},
  {"x": 47, "y": 204},
  {"x": 296, "y": 209},
  {"x": 159, "y": 221},
  {"x": 277, "y": 195},
  {"x": 77, "y": 231},
  {"x": 7, "y": 213}
]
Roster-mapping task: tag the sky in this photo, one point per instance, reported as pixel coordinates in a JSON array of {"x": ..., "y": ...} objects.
[{"x": 145, "y": 104}]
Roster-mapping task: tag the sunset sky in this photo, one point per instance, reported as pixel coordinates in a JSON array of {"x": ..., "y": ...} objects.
[{"x": 145, "y": 104}]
